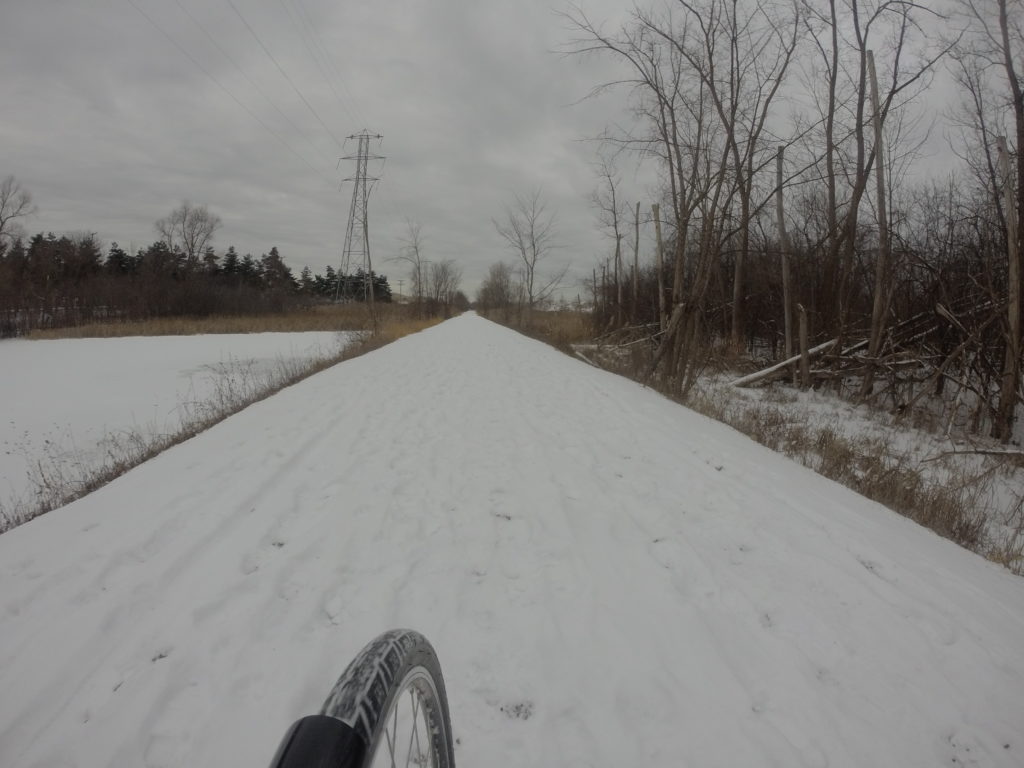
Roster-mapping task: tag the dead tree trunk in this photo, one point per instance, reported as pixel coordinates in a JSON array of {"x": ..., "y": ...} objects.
[
  {"x": 805, "y": 356},
  {"x": 1003, "y": 429},
  {"x": 660, "y": 257},
  {"x": 636, "y": 262},
  {"x": 618, "y": 281},
  {"x": 787, "y": 291},
  {"x": 880, "y": 306}
]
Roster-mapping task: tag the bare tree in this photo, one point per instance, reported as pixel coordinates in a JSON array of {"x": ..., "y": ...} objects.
[
  {"x": 610, "y": 212},
  {"x": 412, "y": 256},
  {"x": 15, "y": 203},
  {"x": 843, "y": 35},
  {"x": 528, "y": 228},
  {"x": 444, "y": 284},
  {"x": 190, "y": 229},
  {"x": 704, "y": 79},
  {"x": 498, "y": 291},
  {"x": 995, "y": 43},
  {"x": 741, "y": 53},
  {"x": 676, "y": 108}
]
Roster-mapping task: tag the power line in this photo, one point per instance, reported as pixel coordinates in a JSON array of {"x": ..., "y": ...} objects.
[
  {"x": 243, "y": 73},
  {"x": 299, "y": 27},
  {"x": 350, "y": 105},
  {"x": 224, "y": 88},
  {"x": 283, "y": 73}
]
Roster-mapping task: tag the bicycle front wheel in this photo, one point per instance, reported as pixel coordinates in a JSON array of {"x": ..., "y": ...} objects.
[{"x": 392, "y": 702}]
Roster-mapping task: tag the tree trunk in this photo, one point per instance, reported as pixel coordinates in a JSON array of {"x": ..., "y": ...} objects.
[
  {"x": 636, "y": 262},
  {"x": 660, "y": 257},
  {"x": 880, "y": 306},
  {"x": 618, "y": 281},
  {"x": 805, "y": 357},
  {"x": 1014, "y": 212},
  {"x": 1003, "y": 428},
  {"x": 787, "y": 291}
]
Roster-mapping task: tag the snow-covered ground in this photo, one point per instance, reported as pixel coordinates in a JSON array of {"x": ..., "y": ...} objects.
[
  {"x": 952, "y": 457},
  {"x": 63, "y": 398},
  {"x": 608, "y": 579}
]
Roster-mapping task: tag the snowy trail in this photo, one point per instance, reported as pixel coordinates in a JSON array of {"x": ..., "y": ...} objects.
[{"x": 608, "y": 579}]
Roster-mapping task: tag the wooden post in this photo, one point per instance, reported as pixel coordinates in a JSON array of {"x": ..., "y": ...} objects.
[
  {"x": 660, "y": 258},
  {"x": 1011, "y": 358},
  {"x": 805, "y": 357},
  {"x": 880, "y": 306},
  {"x": 787, "y": 292}
]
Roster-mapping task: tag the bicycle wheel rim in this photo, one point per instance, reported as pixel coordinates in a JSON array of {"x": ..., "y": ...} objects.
[
  {"x": 377, "y": 680},
  {"x": 412, "y": 730}
]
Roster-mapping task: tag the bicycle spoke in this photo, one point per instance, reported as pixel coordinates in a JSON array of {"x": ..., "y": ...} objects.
[
  {"x": 392, "y": 737},
  {"x": 414, "y": 700},
  {"x": 419, "y": 748},
  {"x": 369, "y": 702}
]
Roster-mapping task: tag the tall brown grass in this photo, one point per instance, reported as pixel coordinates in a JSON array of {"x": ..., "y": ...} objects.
[
  {"x": 560, "y": 328},
  {"x": 324, "y": 317}
]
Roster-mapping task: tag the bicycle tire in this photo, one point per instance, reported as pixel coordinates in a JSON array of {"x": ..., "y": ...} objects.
[{"x": 352, "y": 727}]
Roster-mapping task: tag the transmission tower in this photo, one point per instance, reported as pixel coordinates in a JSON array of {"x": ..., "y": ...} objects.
[{"x": 356, "y": 251}]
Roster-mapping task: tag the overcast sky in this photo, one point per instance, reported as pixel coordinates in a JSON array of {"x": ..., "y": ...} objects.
[
  {"x": 114, "y": 111},
  {"x": 110, "y": 124}
]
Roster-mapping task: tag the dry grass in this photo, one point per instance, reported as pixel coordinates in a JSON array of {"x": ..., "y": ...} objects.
[
  {"x": 563, "y": 328},
  {"x": 1008, "y": 550},
  {"x": 63, "y": 473},
  {"x": 324, "y": 317},
  {"x": 560, "y": 328},
  {"x": 952, "y": 507}
]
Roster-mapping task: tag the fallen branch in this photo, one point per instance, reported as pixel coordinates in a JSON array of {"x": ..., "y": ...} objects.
[
  {"x": 585, "y": 359},
  {"x": 980, "y": 452},
  {"x": 780, "y": 368}
]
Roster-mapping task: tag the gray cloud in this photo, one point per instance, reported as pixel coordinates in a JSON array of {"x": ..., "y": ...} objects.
[{"x": 109, "y": 124}]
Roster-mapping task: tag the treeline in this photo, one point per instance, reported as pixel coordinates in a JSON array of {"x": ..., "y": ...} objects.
[
  {"x": 779, "y": 214},
  {"x": 51, "y": 281}
]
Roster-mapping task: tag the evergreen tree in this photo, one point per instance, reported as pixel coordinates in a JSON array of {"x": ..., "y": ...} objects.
[
  {"x": 158, "y": 259},
  {"x": 231, "y": 266},
  {"x": 249, "y": 270},
  {"x": 276, "y": 274},
  {"x": 330, "y": 282},
  {"x": 84, "y": 258},
  {"x": 210, "y": 262},
  {"x": 15, "y": 257},
  {"x": 118, "y": 261},
  {"x": 381, "y": 288}
]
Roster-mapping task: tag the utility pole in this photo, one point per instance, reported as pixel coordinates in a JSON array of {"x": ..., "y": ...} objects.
[{"x": 357, "y": 233}]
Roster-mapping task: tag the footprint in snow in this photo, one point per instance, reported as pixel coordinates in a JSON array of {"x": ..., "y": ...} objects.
[
  {"x": 250, "y": 563},
  {"x": 517, "y": 710}
]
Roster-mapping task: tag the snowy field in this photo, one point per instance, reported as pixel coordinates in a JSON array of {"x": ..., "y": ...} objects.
[
  {"x": 66, "y": 397},
  {"x": 609, "y": 579}
]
